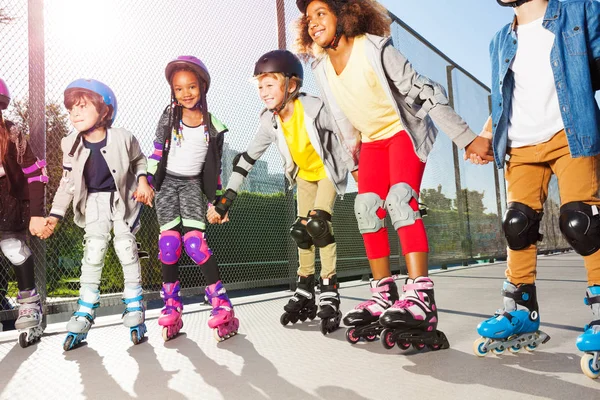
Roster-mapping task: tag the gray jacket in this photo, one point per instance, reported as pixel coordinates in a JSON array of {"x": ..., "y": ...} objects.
[
  {"x": 126, "y": 162},
  {"x": 320, "y": 127},
  {"x": 418, "y": 100}
]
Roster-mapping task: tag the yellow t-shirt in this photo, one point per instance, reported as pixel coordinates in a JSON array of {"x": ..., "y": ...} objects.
[
  {"x": 305, "y": 156},
  {"x": 361, "y": 97}
]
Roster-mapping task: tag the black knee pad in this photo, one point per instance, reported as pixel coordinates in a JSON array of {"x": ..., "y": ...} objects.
[
  {"x": 300, "y": 235},
  {"x": 318, "y": 227},
  {"x": 521, "y": 226},
  {"x": 580, "y": 225}
]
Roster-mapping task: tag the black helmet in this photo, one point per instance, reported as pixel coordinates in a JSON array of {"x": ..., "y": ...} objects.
[
  {"x": 514, "y": 4},
  {"x": 281, "y": 61}
]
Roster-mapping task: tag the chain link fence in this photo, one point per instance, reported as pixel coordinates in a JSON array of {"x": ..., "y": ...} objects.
[{"x": 126, "y": 44}]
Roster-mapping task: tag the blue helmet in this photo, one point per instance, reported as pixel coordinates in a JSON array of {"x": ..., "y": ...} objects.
[{"x": 99, "y": 88}]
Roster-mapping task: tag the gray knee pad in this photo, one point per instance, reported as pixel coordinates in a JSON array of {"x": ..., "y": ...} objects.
[
  {"x": 126, "y": 249},
  {"x": 365, "y": 209},
  {"x": 94, "y": 250},
  {"x": 15, "y": 250},
  {"x": 580, "y": 225},
  {"x": 397, "y": 205}
]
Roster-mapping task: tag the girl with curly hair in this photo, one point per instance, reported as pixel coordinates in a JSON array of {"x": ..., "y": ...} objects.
[{"x": 377, "y": 98}]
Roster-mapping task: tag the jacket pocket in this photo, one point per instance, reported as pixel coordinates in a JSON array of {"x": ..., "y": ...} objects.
[{"x": 575, "y": 41}]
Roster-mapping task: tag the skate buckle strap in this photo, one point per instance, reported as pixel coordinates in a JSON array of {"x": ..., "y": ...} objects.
[
  {"x": 133, "y": 299},
  {"x": 132, "y": 309},
  {"x": 88, "y": 305},
  {"x": 418, "y": 286},
  {"x": 216, "y": 310},
  {"x": 588, "y": 301},
  {"x": 365, "y": 304},
  {"x": 593, "y": 323},
  {"x": 85, "y": 315},
  {"x": 304, "y": 293},
  {"x": 170, "y": 296},
  {"x": 328, "y": 295},
  {"x": 380, "y": 289}
]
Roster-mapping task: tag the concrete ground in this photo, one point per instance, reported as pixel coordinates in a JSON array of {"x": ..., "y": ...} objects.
[{"x": 268, "y": 361}]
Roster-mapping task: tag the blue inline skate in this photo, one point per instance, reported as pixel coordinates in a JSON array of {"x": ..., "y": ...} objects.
[
  {"x": 589, "y": 341},
  {"x": 83, "y": 319},
  {"x": 514, "y": 328},
  {"x": 134, "y": 314}
]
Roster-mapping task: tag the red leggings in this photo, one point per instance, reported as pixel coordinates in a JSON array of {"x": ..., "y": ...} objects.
[{"x": 382, "y": 164}]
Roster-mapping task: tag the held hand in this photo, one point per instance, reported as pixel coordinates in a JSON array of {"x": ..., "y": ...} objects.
[
  {"x": 144, "y": 194},
  {"x": 479, "y": 151},
  {"x": 212, "y": 215},
  {"x": 37, "y": 225},
  {"x": 50, "y": 225}
]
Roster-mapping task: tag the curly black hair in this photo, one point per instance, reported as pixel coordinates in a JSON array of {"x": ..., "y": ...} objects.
[{"x": 355, "y": 17}]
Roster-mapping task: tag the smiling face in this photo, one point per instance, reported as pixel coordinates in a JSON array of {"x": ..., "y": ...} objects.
[
  {"x": 84, "y": 115},
  {"x": 186, "y": 88},
  {"x": 322, "y": 23},
  {"x": 270, "y": 90}
]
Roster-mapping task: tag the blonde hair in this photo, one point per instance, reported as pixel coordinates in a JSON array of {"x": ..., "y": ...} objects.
[{"x": 280, "y": 78}]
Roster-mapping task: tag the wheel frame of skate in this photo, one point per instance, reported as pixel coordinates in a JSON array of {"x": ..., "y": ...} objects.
[
  {"x": 30, "y": 336},
  {"x": 515, "y": 343},
  {"x": 353, "y": 339},
  {"x": 331, "y": 324},
  {"x": 165, "y": 332},
  {"x": 302, "y": 315},
  {"x": 390, "y": 338},
  {"x": 76, "y": 340},
  {"x": 231, "y": 334},
  {"x": 137, "y": 333},
  {"x": 587, "y": 363}
]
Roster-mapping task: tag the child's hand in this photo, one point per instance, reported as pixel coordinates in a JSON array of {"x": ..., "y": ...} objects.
[
  {"x": 479, "y": 151},
  {"x": 212, "y": 215},
  {"x": 37, "y": 225},
  {"x": 144, "y": 193},
  {"x": 50, "y": 225}
]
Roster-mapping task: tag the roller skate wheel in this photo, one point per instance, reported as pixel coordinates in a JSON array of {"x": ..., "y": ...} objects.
[
  {"x": 285, "y": 319},
  {"x": 418, "y": 346},
  {"x": 531, "y": 347},
  {"x": 165, "y": 334},
  {"x": 135, "y": 337},
  {"x": 403, "y": 345},
  {"x": 387, "y": 339},
  {"x": 434, "y": 347},
  {"x": 303, "y": 317},
  {"x": 23, "y": 340},
  {"x": 293, "y": 319},
  {"x": 323, "y": 326},
  {"x": 478, "y": 347},
  {"x": 351, "y": 336},
  {"x": 515, "y": 349},
  {"x": 371, "y": 338},
  {"x": 218, "y": 337},
  {"x": 313, "y": 314},
  {"x": 587, "y": 367},
  {"x": 498, "y": 350},
  {"x": 69, "y": 343}
]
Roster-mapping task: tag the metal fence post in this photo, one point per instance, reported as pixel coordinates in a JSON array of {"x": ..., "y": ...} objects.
[{"x": 37, "y": 113}]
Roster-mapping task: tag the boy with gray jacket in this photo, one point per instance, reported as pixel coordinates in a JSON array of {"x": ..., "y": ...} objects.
[{"x": 314, "y": 160}]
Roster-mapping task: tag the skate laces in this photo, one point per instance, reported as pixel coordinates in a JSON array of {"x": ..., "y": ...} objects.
[
  {"x": 27, "y": 309},
  {"x": 403, "y": 303}
]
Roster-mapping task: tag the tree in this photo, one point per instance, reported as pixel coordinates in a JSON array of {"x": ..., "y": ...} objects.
[
  {"x": 434, "y": 199},
  {"x": 473, "y": 201}
]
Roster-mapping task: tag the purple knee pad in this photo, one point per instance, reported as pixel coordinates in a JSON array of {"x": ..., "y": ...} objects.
[
  {"x": 196, "y": 247},
  {"x": 169, "y": 247}
]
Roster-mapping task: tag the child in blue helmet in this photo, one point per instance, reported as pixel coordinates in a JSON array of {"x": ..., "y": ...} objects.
[
  {"x": 185, "y": 172},
  {"x": 105, "y": 178}
]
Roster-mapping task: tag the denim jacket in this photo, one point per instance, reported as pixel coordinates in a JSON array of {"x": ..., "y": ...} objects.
[{"x": 575, "y": 59}]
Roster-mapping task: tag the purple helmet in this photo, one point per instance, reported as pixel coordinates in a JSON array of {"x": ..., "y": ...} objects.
[
  {"x": 191, "y": 62},
  {"x": 99, "y": 88},
  {"x": 4, "y": 95}
]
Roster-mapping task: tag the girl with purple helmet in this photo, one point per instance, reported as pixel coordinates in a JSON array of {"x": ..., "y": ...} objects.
[
  {"x": 185, "y": 172},
  {"x": 22, "y": 179}
]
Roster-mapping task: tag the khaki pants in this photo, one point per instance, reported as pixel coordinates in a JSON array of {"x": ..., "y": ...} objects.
[
  {"x": 528, "y": 174},
  {"x": 318, "y": 195}
]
